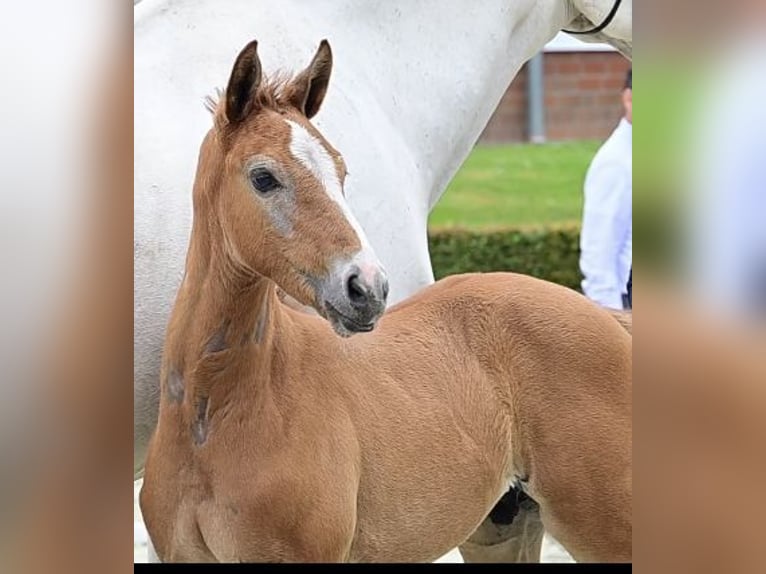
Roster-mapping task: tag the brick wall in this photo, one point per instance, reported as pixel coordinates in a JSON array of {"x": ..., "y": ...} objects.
[{"x": 582, "y": 99}]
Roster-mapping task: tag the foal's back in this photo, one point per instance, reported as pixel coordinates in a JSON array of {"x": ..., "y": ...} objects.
[{"x": 490, "y": 379}]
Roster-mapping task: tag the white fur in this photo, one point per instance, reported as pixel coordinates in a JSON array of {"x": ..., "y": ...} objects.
[{"x": 310, "y": 152}]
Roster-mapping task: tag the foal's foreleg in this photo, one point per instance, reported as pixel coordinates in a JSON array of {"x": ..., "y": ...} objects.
[
  {"x": 511, "y": 533},
  {"x": 151, "y": 553}
]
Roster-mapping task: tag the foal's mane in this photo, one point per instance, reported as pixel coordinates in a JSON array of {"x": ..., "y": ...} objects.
[{"x": 274, "y": 93}]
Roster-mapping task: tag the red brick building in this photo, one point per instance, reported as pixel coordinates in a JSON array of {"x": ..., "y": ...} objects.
[{"x": 581, "y": 95}]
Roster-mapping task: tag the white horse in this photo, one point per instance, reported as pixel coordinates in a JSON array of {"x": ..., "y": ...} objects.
[{"x": 416, "y": 84}]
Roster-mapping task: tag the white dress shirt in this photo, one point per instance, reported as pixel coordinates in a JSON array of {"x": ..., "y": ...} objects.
[{"x": 606, "y": 240}]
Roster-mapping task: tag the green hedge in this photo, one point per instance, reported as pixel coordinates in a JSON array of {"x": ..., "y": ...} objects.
[{"x": 551, "y": 254}]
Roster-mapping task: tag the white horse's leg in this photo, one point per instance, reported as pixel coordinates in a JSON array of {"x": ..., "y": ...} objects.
[
  {"x": 451, "y": 557},
  {"x": 146, "y": 405},
  {"x": 553, "y": 551}
]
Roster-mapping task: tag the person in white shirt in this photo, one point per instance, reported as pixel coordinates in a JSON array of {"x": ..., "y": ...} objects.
[
  {"x": 606, "y": 239},
  {"x": 726, "y": 184}
]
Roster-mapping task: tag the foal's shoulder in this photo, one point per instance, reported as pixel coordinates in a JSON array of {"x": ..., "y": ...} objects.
[
  {"x": 488, "y": 286},
  {"x": 508, "y": 289},
  {"x": 495, "y": 282}
]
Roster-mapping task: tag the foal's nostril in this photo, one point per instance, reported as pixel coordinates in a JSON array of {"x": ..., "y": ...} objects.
[{"x": 356, "y": 291}]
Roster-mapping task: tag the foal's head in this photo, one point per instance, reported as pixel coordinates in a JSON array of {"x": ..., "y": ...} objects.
[{"x": 274, "y": 185}]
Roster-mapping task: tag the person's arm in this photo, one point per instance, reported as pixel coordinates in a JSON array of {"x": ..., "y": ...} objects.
[{"x": 606, "y": 218}]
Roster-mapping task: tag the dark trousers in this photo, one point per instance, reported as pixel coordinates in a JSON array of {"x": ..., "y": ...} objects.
[{"x": 627, "y": 298}]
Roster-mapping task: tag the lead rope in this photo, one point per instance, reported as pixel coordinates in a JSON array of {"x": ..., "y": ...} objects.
[{"x": 604, "y": 24}]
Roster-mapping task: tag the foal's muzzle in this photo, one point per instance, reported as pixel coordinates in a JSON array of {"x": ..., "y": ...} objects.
[{"x": 356, "y": 299}]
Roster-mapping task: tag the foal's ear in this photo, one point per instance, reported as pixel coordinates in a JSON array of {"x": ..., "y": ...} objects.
[
  {"x": 244, "y": 81},
  {"x": 309, "y": 87}
]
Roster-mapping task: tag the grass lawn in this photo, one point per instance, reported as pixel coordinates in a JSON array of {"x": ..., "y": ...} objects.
[{"x": 520, "y": 185}]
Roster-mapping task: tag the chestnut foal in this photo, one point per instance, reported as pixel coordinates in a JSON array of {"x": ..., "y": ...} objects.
[{"x": 281, "y": 437}]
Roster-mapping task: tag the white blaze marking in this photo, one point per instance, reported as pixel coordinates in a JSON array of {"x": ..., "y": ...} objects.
[{"x": 310, "y": 152}]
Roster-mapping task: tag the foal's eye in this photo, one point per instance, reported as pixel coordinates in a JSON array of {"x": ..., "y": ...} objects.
[{"x": 263, "y": 180}]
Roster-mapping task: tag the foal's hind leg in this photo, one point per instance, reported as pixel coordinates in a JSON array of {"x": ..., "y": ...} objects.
[{"x": 512, "y": 532}]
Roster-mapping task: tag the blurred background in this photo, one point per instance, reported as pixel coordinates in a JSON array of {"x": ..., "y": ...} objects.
[{"x": 517, "y": 202}]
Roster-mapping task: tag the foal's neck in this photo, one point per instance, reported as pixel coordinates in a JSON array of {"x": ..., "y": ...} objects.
[{"x": 223, "y": 312}]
